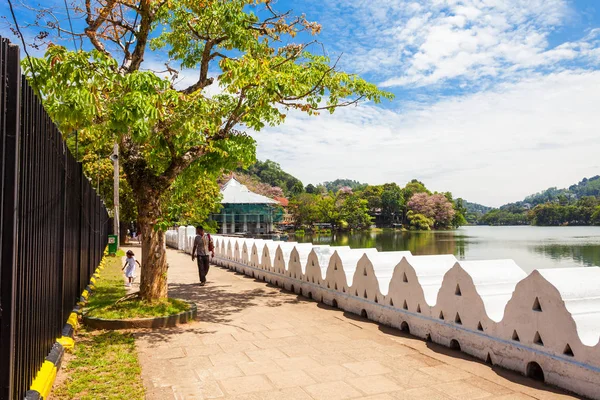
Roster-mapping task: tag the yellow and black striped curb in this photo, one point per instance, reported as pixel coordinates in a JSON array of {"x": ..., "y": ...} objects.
[{"x": 44, "y": 379}]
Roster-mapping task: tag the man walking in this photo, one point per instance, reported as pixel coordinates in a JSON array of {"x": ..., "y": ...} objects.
[{"x": 203, "y": 246}]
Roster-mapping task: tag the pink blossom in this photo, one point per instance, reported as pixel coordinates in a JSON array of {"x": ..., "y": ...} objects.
[{"x": 434, "y": 206}]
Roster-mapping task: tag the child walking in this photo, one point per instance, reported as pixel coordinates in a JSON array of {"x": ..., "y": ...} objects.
[{"x": 130, "y": 265}]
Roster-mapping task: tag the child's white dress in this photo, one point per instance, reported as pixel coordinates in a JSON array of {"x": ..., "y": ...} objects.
[{"x": 130, "y": 268}]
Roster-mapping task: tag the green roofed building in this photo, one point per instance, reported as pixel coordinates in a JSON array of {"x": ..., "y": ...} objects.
[{"x": 245, "y": 211}]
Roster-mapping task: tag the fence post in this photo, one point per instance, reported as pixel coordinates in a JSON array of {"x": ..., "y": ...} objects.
[
  {"x": 10, "y": 100},
  {"x": 63, "y": 231}
]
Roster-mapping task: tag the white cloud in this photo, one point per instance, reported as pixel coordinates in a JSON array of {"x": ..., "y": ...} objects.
[
  {"x": 437, "y": 40},
  {"x": 492, "y": 147}
]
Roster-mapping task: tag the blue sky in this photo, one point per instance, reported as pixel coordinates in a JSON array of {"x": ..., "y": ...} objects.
[{"x": 495, "y": 99}]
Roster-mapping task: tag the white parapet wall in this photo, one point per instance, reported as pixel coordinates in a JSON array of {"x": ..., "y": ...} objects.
[{"x": 545, "y": 325}]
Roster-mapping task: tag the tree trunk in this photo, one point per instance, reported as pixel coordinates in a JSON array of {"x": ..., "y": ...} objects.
[
  {"x": 148, "y": 190},
  {"x": 153, "y": 286}
]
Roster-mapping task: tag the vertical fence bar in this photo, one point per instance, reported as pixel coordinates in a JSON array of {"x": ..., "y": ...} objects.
[
  {"x": 53, "y": 229},
  {"x": 6, "y": 299},
  {"x": 9, "y": 232}
]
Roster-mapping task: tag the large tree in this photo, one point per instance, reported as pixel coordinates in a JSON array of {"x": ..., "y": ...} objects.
[
  {"x": 435, "y": 207},
  {"x": 166, "y": 133},
  {"x": 392, "y": 202}
]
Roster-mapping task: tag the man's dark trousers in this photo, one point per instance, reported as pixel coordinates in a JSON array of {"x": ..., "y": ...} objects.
[{"x": 203, "y": 265}]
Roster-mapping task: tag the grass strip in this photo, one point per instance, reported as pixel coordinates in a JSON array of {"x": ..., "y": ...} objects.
[
  {"x": 110, "y": 288},
  {"x": 104, "y": 365}
]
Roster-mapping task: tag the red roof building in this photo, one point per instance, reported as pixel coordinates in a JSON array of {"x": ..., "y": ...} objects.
[{"x": 283, "y": 201}]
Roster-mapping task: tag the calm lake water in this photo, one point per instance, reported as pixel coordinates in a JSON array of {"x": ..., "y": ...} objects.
[{"x": 531, "y": 247}]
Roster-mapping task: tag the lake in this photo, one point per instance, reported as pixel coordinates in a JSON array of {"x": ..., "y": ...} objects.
[{"x": 531, "y": 247}]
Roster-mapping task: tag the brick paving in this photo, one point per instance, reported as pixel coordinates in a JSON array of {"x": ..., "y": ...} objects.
[{"x": 255, "y": 341}]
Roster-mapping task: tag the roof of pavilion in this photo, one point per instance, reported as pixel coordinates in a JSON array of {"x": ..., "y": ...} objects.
[
  {"x": 283, "y": 201},
  {"x": 235, "y": 193}
]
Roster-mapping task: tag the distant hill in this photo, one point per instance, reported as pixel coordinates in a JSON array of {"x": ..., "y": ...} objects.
[
  {"x": 587, "y": 187},
  {"x": 336, "y": 185},
  {"x": 474, "y": 211},
  {"x": 576, "y": 204},
  {"x": 476, "y": 208},
  {"x": 570, "y": 206},
  {"x": 270, "y": 172}
]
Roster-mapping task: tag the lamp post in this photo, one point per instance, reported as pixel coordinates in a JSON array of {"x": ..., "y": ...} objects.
[{"x": 115, "y": 159}]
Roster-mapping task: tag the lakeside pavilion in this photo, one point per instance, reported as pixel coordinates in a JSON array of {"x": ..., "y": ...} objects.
[{"x": 244, "y": 211}]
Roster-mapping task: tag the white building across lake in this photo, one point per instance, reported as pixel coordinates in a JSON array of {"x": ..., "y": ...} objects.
[{"x": 245, "y": 211}]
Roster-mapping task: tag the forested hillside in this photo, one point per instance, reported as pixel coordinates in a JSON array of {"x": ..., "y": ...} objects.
[
  {"x": 269, "y": 172},
  {"x": 577, "y": 205},
  {"x": 587, "y": 187},
  {"x": 341, "y": 183},
  {"x": 349, "y": 204},
  {"x": 475, "y": 211},
  {"x": 390, "y": 204}
]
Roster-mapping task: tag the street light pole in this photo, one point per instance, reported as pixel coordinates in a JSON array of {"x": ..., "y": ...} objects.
[{"x": 115, "y": 159}]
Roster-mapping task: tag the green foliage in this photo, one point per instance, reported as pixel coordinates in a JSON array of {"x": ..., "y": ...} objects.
[
  {"x": 474, "y": 212},
  {"x": 355, "y": 212},
  {"x": 460, "y": 218},
  {"x": 342, "y": 211},
  {"x": 392, "y": 202},
  {"x": 163, "y": 131},
  {"x": 595, "y": 218},
  {"x": 438, "y": 208},
  {"x": 573, "y": 206},
  {"x": 303, "y": 209},
  {"x": 475, "y": 208},
  {"x": 372, "y": 194},
  {"x": 346, "y": 210},
  {"x": 505, "y": 217},
  {"x": 554, "y": 214},
  {"x": 171, "y": 139},
  {"x": 413, "y": 187},
  {"x": 419, "y": 221},
  {"x": 340, "y": 183},
  {"x": 270, "y": 172},
  {"x": 547, "y": 214},
  {"x": 328, "y": 210},
  {"x": 586, "y": 187},
  {"x": 311, "y": 189},
  {"x": 79, "y": 90},
  {"x": 193, "y": 196}
]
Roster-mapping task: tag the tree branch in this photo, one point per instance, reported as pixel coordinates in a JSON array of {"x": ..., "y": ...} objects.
[
  {"x": 296, "y": 55},
  {"x": 204, "y": 80},
  {"x": 316, "y": 86},
  {"x": 146, "y": 14},
  {"x": 301, "y": 105},
  {"x": 177, "y": 165},
  {"x": 93, "y": 24}
]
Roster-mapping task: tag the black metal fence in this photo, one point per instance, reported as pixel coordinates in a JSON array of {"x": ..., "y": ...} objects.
[{"x": 53, "y": 230}]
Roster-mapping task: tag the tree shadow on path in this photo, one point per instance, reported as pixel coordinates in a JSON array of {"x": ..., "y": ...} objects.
[{"x": 217, "y": 303}]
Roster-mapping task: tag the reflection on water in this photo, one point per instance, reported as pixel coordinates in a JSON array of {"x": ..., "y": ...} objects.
[
  {"x": 531, "y": 247},
  {"x": 586, "y": 254},
  {"x": 420, "y": 243}
]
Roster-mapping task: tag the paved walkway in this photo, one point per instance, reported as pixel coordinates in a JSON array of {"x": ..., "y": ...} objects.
[{"x": 254, "y": 341}]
